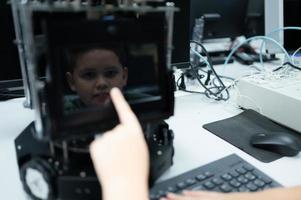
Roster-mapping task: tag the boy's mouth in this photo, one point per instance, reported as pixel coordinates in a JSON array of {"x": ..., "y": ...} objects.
[{"x": 101, "y": 98}]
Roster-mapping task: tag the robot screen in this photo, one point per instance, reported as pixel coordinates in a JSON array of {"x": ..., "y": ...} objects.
[
  {"x": 89, "y": 57},
  {"x": 92, "y": 71}
]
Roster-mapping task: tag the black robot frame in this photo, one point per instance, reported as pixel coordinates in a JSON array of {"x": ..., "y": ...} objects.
[{"x": 61, "y": 155}]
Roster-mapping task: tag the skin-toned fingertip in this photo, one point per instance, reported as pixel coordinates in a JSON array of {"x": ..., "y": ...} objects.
[
  {"x": 115, "y": 91},
  {"x": 124, "y": 111},
  {"x": 92, "y": 147},
  {"x": 171, "y": 195},
  {"x": 92, "y": 150},
  {"x": 190, "y": 192}
]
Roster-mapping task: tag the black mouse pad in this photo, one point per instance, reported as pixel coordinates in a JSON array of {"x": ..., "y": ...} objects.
[{"x": 239, "y": 129}]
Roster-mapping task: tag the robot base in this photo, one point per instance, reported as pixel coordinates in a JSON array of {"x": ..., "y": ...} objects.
[{"x": 47, "y": 172}]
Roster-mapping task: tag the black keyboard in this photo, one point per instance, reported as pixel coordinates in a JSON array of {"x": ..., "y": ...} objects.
[{"x": 229, "y": 174}]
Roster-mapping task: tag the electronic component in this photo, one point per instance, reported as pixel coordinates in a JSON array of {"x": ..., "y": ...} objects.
[
  {"x": 278, "y": 98},
  {"x": 244, "y": 58},
  {"x": 224, "y": 19}
]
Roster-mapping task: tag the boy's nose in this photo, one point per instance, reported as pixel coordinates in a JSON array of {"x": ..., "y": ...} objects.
[{"x": 101, "y": 83}]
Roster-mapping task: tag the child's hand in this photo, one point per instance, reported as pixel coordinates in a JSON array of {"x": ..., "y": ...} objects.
[{"x": 120, "y": 156}]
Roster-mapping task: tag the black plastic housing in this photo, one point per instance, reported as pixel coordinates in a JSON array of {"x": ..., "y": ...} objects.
[{"x": 65, "y": 32}]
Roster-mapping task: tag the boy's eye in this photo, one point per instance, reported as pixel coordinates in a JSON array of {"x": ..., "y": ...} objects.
[
  {"x": 110, "y": 73},
  {"x": 88, "y": 75}
]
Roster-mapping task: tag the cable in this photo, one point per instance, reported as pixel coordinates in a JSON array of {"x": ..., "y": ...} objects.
[
  {"x": 296, "y": 28},
  {"x": 181, "y": 86},
  {"x": 208, "y": 77},
  {"x": 209, "y": 91},
  {"x": 224, "y": 77},
  {"x": 287, "y": 63},
  {"x": 294, "y": 54},
  {"x": 271, "y": 33},
  {"x": 250, "y": 39},
  {"x": 208, "y": 61}
]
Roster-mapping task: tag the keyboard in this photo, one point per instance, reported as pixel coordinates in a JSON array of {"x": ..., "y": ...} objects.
[{"x": 228, "y": 174}]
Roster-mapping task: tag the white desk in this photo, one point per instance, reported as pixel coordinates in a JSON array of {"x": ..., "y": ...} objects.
[
  {"x": 13, "y": 119},
  {"x": 194, "y": 146}
]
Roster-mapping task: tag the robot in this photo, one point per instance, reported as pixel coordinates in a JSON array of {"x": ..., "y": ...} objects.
[{"x": 52, "y": 152}]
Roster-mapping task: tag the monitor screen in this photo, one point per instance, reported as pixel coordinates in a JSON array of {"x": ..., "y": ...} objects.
[
  {"x": 181, "y": 34},
  {"x": 89, "y": 57},
  {"x": 92, "y": 70},
  {"x": 9, "y": 66},
  {"x": 292, "y": 17},
  {"x": 11, "y": 84},
  {"x": 255, "y": 18},
  {"x": 223, "y": 19}
]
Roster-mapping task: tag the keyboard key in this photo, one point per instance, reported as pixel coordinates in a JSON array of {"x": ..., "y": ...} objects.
[
  {"x": 252, "y": 187},
  {"x": 197, "y": 188},
  {"x": 181, "y": 185},
  {"x": 226, "y": 177},
  {"x": 208, "y": 174},
  {"x": 171, "y": 189},
  {"x": 217, "y": 181},
  {"x": 265, "y": 179},
  {"x": 243, "y": 189},
  {"x": 235, "y": 183},
  {"x": 209, "y": 185},
  {"x": 162, "y": 193},
  {"x": 201, "y": 177},
  {"x": 234, "y": 174},
  {"x": 241, "y": 170},
  {"x": 248, "y": 167},
  {"x": 242, "y": 179},
  {"x": 250, "y": 176},
  {"x": 225, "y": 188},
  {"x": 259, "y": 183},
  {"x": 153, "y": 197},
  {"x": 190, "y": 181}
]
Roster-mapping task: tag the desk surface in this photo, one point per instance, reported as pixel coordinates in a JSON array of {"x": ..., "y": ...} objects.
[{"x": 194, "y": 146}]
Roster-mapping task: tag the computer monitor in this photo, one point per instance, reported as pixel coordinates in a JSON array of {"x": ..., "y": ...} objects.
[
  {"x": 292, "y": 17},
  {"x": 255, "y": 18},
  {"x": 181, "y": 34},
  {"x": 226, "y": 18},
  {"x": 10, "y": 71}
]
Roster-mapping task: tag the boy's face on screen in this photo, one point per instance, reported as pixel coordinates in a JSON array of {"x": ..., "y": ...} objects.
[{"x": 96, "y": 72}]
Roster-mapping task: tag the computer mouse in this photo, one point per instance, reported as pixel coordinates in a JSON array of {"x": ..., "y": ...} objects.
[{"x": 281, "y": 143}]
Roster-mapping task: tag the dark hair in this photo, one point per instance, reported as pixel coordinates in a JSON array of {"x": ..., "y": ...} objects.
[{"x": 73, "y": 53}]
